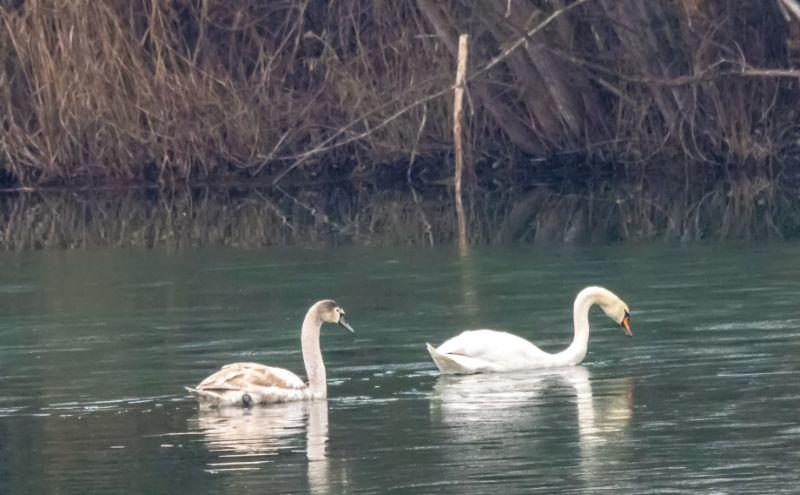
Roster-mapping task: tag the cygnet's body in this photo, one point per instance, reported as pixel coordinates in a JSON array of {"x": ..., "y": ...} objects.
[{"x": 246, "y": 384}]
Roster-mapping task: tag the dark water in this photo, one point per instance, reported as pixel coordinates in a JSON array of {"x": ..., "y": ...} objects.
[{"x": 95, "y": 346}]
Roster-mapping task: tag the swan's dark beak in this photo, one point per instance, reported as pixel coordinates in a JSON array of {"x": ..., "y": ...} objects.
[
  {"x": 626, "y": 324},
  {"x": 346, "y": 325}
]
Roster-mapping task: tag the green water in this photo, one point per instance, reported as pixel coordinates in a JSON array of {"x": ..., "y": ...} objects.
[{"x": 96, "y": 346}]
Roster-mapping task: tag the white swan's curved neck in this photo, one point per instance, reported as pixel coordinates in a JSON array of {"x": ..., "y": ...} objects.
[
  {"x": 312, "y": 354},
  {"x": 576, "y": 351}
]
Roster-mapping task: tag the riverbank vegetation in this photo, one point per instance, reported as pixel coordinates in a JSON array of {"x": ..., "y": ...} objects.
[{"x": 206, "y": 90}]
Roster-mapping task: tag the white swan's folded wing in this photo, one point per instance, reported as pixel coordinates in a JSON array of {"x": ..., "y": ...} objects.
[
  {"x": 245, "y": 376},
  {"x": 478, "y": 351},
  {"x": 491, "y": 345}
]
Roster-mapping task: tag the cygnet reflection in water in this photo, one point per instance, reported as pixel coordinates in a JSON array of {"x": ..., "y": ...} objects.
[{"x": 248, "y": 439}]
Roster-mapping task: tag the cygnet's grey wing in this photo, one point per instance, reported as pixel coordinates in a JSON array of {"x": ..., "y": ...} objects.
[{"x": 244, "y": 376}]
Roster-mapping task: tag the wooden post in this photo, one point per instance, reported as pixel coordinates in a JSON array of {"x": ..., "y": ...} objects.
[{"x": 458, "y": 120}]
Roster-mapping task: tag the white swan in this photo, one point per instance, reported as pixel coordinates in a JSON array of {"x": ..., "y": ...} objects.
[
  {"x": 481, "y": 351},
  {"x": 245, "y": 384}
]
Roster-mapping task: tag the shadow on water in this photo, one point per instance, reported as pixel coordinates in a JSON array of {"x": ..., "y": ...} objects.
[{"x": 743, "y": 208}]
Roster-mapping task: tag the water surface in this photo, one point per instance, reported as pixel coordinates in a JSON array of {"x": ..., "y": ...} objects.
[{"x": 97, "y": 344}]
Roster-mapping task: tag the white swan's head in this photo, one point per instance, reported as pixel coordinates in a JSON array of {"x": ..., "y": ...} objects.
[
  {"x": 330, "y": 312},
  {"x": 614, "y": 307}
]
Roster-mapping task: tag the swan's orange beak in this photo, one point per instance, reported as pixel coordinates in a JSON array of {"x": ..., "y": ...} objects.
[{"x": 627, "y": 325}]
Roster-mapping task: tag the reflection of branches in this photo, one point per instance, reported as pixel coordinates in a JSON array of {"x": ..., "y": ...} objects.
[
  {"x": 428, "y": 228},
  {"x": 741, "y": 208},
  {"x": 275, "y": 208},
  {"x": 319, "y": 216}
]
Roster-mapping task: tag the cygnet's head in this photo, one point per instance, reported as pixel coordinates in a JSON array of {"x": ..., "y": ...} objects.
[
  {"x": 617, "y": 310},
  {"x": 330, "y": 312}
]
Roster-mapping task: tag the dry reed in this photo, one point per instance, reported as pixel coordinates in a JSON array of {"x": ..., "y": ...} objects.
[{"x": 186, "y": 90}]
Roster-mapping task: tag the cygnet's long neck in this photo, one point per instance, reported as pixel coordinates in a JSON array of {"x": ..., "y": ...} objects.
[
  {"x": 312, "y": 354},
  {"x": 585, "y": 299}
]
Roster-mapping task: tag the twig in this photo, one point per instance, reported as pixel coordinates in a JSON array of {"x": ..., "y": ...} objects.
[
  {"x": 458, "y": 120},
  {"x": 793, "y": 6}
]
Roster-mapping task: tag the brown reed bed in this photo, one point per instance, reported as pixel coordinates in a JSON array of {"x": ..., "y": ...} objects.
[{"x": 178, "y": 91}]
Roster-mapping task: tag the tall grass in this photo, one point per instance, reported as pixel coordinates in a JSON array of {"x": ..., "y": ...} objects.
[{"x": 179, "y": 90}]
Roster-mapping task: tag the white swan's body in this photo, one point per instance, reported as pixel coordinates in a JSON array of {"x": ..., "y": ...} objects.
[
  {"x": 246, "y": 384},
  {"x": 483, "y": 351}
]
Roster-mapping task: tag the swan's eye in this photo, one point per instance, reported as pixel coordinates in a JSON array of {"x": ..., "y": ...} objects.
[{"x": 627, "y": 314}]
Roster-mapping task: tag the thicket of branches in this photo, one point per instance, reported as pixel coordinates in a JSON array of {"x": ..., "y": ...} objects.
[{"x": 203, "y": 89}]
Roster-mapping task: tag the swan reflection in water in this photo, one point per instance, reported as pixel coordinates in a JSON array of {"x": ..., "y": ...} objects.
[
  {"x": 521, "y": 415},
  {"x": 248, "y": 439}
]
